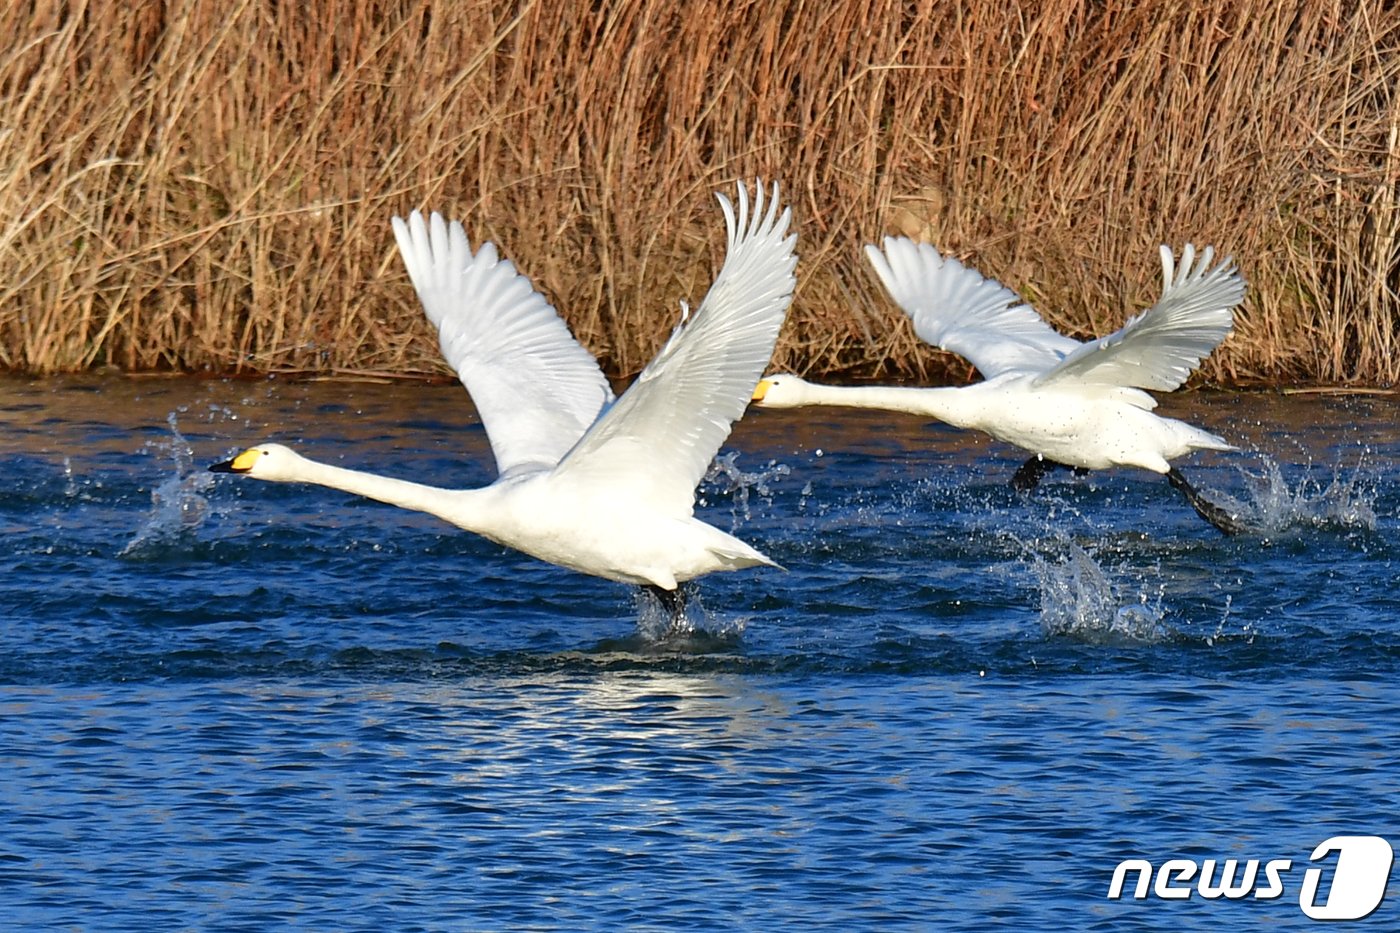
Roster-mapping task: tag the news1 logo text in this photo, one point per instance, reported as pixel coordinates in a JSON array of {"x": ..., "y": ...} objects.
[{"x": 1358, "y": 876}]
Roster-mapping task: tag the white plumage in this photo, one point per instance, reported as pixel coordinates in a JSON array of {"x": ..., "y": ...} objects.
[
  {"x": 1071, "y": 404},
  {"x": 600, "y": 486}
]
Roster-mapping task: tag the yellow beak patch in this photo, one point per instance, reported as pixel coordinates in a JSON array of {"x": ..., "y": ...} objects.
[
  {"x": 239, "y": 464},
  {"x": 760, "y": 390},
  {"x": 244, "y": 461}
]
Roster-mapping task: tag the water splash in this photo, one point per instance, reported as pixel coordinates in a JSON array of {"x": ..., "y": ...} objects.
[
  {"x": 1246, "y": 634},
  {"x": 71, "y": 488},
  {"x": 178, "y": 505},
  {"x": 725, "y": 478},
  {"x": 1272, "y": 505},
  {"x": 698, "y": 631},
  {"x": 1078, "y": 598}
]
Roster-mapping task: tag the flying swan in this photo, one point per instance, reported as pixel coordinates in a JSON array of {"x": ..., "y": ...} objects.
[
  {"x": 599, "y": 486},
  {"x": 1079, "y": 406}
]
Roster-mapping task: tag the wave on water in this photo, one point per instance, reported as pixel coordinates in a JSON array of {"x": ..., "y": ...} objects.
[{"x": 178, "y": 504}]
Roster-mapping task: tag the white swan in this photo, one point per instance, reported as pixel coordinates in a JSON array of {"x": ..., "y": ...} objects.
[
  {"x": 1074, "y": 405},
  {"x": 602, "y": 487}
]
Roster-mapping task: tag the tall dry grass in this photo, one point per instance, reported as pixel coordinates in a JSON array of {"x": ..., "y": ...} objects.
[{"x": 188, "y": 185}]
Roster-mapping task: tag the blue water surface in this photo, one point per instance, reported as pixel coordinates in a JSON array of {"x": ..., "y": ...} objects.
[{"x": 243, "y": 706}]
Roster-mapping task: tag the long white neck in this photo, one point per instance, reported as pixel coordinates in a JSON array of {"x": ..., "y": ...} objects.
[
  {"x": 461, "y": 507},
  {"x": 945, "y": 403}
]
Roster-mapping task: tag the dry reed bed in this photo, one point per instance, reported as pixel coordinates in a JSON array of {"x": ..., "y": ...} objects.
[{"x": 187, "y": 185}]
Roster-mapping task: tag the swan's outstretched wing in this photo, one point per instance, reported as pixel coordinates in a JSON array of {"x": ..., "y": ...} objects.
[
  {"x": 1160, "y": 347},
  {"x": 657, "y": 441},
  {"x": 957, "y": 308},
  {"x": 537, "y": 390}
]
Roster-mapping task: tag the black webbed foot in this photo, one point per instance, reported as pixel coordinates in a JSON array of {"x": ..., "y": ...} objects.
[
  {"x": 1227, "y": 523},
  {"x": 673, "y": 603},
  {"x": 1033, "y": 471}
]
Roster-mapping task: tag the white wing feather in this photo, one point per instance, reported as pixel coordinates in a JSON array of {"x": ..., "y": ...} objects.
[
  {"x": 1160, "y": 347},
  {"x": 657, "y": 441},
  {"x": 536, "y": 389},
  {"x": 958, "y": 309}
]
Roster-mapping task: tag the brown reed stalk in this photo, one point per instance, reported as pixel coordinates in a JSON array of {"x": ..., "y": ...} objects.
[{"x": 193, "y": 186}]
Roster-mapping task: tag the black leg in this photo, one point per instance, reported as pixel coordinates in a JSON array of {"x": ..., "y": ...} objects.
[
  {"x": 1033, "y": 471},
  {"x": 672, "y": 602},
  {"x": 1225, "y": 522},
  {"x": 1030, "y": 474}
]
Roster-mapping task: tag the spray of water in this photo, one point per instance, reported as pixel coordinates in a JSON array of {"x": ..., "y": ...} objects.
[
  {"x": 1080, "y": 599},
  {"x": 725, "y": 478},
  {"x": 697, "y": 632},
  {"x": 1341, "y": 501},
  {"x": 178, "y": 505}
]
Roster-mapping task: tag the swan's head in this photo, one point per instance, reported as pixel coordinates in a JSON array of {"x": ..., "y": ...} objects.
[
  {"x": 781, "y": 390},
  {"x": 265, "y": 461}
]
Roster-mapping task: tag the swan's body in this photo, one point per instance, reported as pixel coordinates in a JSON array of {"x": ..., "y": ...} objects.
[
  {"x": 605, "y": 534},
  {"x": 1071, "y": 404},
  {"x": 599, "y": 486},
  {"x": 1064, "y": 424}
]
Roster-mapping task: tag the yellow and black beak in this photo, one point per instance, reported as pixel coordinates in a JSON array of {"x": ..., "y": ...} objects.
[
  {"x": 239, "y": 464},
  {"x": 760, "y": 390}
]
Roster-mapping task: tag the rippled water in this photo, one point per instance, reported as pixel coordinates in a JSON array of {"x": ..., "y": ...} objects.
[{"x": 233, "y": 705}]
